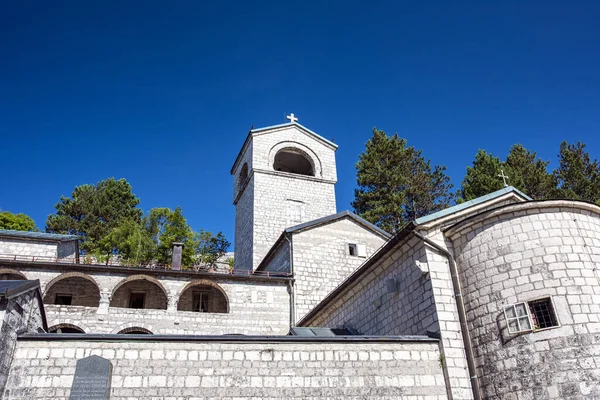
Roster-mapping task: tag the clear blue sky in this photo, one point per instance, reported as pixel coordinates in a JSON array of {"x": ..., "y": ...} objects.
[{"x": 163, "y": 93}]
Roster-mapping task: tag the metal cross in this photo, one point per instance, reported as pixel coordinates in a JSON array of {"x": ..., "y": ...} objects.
[
  {"x": 504, "y": 177},
  {"x": 292, "y": 118}
]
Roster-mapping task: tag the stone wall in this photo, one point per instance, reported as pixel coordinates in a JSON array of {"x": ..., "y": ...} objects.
[
  {"x": 273, "y": 193},
  {"x": 256, "y": 306},
  {"x": 239, "y": 369},
  {"x": 521, "y": 253},
  {"x": 28, "y": 248},
  {"x": 322, "y": 260},
  {"x": 20, "y": 314}
]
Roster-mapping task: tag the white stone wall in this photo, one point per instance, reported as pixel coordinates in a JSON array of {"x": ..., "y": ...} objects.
[
  {"x": 279, "y": 260},
  {"x": 369, "y": 309},
  {"x": 27, "y": 248},
  {"x": 273, "y": 192},
  {"x": 238, "y": 370},
  {"x": 524, "y": 252},
  {"x": 255, "y": 306},
  {"x": 244, "y": 228},
  {"x": 322, "y": 260}
]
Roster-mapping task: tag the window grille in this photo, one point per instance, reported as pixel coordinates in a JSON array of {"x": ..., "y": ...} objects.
[{"x": 530, "y": 316}]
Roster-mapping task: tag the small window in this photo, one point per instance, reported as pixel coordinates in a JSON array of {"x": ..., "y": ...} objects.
[
  {"x": 200, "y": 302},
  {"x": 63, "y": 299},
  {"x": 137, "y": 300},
  {"x": 357, "y": 250},
  {"x": 530, "y": 316},
  {"x": 352, "y": 249}
]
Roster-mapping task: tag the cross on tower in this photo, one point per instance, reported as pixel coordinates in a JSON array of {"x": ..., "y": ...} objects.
[
  {"x": 292, "y": 118},
  {"x": 504, "y": 177}
]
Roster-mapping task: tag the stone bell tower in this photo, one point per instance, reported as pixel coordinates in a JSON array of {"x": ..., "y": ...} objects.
[{"x": 284, "y": 175}]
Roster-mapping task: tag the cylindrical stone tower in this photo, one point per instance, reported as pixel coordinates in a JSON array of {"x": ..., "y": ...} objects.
[{"x": 531, "y": 287}]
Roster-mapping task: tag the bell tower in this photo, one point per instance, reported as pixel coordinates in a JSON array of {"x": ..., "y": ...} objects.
[{"x": 284, "y": 175}]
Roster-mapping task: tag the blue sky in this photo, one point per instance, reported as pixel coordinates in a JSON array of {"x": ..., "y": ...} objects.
[{"x": 163, "y": 93}]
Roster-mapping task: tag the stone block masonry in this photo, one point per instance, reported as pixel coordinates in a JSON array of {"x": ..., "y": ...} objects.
[{"x": 285, "y": 368}]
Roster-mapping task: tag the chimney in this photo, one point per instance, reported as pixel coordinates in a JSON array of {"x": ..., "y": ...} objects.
[{"x": 177, "y": 250}]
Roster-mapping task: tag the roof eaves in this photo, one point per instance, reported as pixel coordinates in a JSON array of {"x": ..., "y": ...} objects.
[
  {"x": 37, "y": 235},
  {"x": 333, "y": 217},
  {"x": 471, "y": 203}
]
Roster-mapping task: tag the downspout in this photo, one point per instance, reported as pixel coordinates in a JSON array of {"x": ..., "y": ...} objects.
[
  {"x": 462, "y": 315},
  {"x": 291, "y": 284}
]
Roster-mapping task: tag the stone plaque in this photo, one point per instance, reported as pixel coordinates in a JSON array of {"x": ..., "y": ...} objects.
[{"x": 92, "y": 379}]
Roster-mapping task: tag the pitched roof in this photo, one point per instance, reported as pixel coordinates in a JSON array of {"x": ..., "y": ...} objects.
[
  {"x": 334, "y": 217},
  {"x": 253, "y": 132},
  {"x": 319, "y": 222},
  {"x": 471, "y": 203},
  {"x": 37, "y": 235}
]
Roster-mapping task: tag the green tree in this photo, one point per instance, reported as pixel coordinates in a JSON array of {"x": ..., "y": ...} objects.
[
  {"x": 396, "y": 184},
  {"x": 482, "y": 178},
  {"x": 210, "y": 248},
  {"x": 130, "y": 242},
  {"x": 577, "y": 176},
  {"x": 93, "y": 211},
  {"x": 165, "y": 227},
  {"x": 529, "y": 173},
  {"x": 17, "y": 222}
]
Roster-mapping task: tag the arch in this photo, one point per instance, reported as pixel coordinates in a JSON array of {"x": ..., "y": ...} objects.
[
  {"x": 218, "y": 301},
  {"x": 298, "y": 152},
  {"x": 7, "y": 274},
  {"x": 124, "y": 292},
  {"x": 72, "y": 288},
  {"x": 131, "y": 327},
  {"x": 243, "y": 177},
  {"x": 135, "y": 330},
  {"x": 65, "y": 328}
]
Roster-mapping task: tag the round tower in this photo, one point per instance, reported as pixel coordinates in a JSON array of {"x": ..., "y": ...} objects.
[{"x": 531, "y": 288}]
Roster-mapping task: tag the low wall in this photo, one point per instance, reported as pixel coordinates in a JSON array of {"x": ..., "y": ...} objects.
[{"x": 177, "y": 367}]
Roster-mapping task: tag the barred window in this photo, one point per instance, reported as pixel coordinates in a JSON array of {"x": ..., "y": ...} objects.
[{"x": 530, "y": 316}]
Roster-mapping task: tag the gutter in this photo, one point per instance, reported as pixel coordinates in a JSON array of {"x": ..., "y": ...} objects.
[
  {"x": 291, "y": 284},
  {"x": 462, "y": 315}
]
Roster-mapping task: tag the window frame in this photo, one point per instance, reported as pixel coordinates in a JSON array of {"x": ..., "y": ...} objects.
[
  {"x": 137, "y": 293},
  {"x": 529, "y": 316},
  {"x": 70, "y": 295}
]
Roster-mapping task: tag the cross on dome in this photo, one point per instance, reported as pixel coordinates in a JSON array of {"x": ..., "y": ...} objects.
[{"x": 292, "y": 118}]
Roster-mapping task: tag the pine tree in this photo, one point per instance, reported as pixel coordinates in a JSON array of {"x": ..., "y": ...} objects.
[
  {"x": 482, "y": 178},
  {"x": 529, "y": 173},
  {"x": 577, "y": 176},
  {"x": 396, "y": 184},
  {"x": 16, "y": 222}
]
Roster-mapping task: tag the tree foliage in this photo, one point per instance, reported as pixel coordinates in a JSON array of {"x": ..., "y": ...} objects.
[
  {"x": 396, "y": 184},
  {"x": 93, "y": 211},
  {"x": 530, "y": 174},
  {"x": 482, "y": 178},
  {"x": 577, "y": 176},
  {"x": 17, "y": 222}
]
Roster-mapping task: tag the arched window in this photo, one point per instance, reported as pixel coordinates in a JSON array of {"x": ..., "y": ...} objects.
[
  {"x": 135, "y": 330},
  {"x": 243, "y": 176},
  {"x": 11, "y": 275},
  {"x": 294, "y": 161},
  {"x": 139, "y": 291},
  {"x": 203, "y": 297},
  {"x": 65, "y": 328},
  {"x": 72, "y": 289}
]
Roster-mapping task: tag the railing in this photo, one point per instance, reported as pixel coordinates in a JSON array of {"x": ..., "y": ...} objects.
[{"x": 117, "y": 263}]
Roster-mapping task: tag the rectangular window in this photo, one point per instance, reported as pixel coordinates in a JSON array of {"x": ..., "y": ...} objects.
[
  {"x": 357, "y": 250},
  {"x": 200, "y": 302},
  {"x": 352, "y": 249},
  {"x": 530, "y": 316},
  {"x": 295, "y": 211},
  {"x": 137, "y": 300},
  {"x": 63, "y": 299}
]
